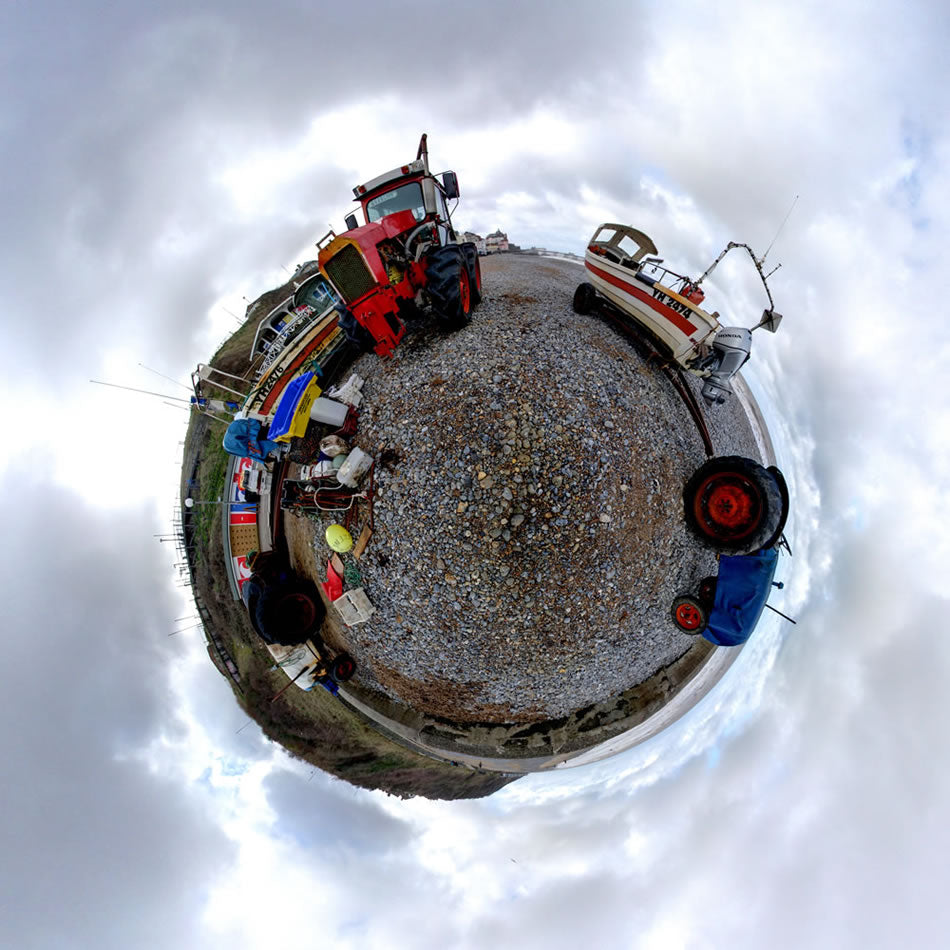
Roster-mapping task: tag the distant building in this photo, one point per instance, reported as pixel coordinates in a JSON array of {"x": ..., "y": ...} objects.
[
  {"x": 476, "y": 239},
  {"x": 496, "y": 241},
  {"x": 305, "y": 270}
]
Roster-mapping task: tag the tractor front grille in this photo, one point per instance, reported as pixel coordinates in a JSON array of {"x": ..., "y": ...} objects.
[{"x": 349, "y": 273}]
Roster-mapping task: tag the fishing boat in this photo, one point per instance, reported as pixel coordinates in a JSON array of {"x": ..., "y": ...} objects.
[{"x": 624, "y": 271}]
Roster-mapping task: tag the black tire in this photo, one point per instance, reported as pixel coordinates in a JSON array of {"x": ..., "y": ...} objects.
[
  {"x": 584, "y": 298},
  {"x": 734, "y": 504},
  {"x": 474, "y": 271},
  {"x": 355, "y": 332},
  {"x": 342, "y": 668},
  {"x": 689, "y": 615},
  {"x": 707, "y": 592},
  {"x": 776, "y": 473},
  {"x": 449, "y": 286},
  {"x": 288, "y": 616}
]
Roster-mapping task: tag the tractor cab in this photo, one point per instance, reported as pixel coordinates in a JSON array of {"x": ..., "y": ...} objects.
[
  {"x": 404, "y": 260},
  {"x": 412, "y": 188}
]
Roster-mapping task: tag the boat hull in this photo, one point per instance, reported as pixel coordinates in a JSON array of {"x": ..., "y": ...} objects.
[{"x": 674, "y": 320}]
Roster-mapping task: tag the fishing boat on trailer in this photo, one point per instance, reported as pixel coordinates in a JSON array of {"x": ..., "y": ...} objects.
[
  {"x": 623, "y": 269},
  {"x": 301, "y": 334}
]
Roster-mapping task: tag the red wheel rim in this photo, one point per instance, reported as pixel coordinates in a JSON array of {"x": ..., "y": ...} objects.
[
  {"x": 688, "y": 617},
  {"x": 728, "y": 505},
  {"x": 478, "y": 275},
  {"x": 465, "y": 290}
]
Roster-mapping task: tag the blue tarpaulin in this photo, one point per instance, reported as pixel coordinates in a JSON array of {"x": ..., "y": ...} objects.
[
  {"x": 243, "y": 439},
  {"x": 290, "y": 399},
  {"x": 742, "y": 588}
]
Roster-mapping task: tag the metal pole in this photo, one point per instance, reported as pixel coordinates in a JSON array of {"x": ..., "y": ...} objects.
[
  {"x": 779, "y": 612},
  {"x": 782, "y": 225},
  {"x": 169, "y": 378},
  {"x": 291, "y": 683}
]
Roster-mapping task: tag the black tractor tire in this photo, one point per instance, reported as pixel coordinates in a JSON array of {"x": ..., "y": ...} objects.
[
  {"x": 734, "y": 505},
  {"x": 474, "y": 271},
  {"x": 689, "y": 615},
  {"x": 342, "y": 668},
  {"x": 776, "y": 473},
  {"x": 355, "y": 332},
  {"x": 449, "y": 286},
  {"x": 288, "y": 616},
  {"x": 584, "y": 298}
]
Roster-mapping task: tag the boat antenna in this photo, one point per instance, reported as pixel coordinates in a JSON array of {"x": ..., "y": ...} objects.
[
  {"x": 157, "y": 373},
  {"x": 779, "y": 231},
  {"x": 132, "y": 389}
]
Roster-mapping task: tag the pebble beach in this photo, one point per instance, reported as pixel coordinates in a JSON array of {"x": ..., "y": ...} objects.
[{"x": 529, "y": 537}]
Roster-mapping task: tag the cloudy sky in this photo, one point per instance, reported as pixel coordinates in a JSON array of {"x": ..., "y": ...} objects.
[{"x": 162, "y": 162}]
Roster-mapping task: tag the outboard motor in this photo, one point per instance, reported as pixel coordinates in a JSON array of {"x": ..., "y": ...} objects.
[{"x": 730, "y": 349}]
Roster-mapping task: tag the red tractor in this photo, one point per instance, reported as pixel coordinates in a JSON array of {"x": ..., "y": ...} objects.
[{"x": 405, "y": 258}]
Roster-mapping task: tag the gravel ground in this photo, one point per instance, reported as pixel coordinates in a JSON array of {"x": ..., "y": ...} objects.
[{"x": 529, "y": 531}]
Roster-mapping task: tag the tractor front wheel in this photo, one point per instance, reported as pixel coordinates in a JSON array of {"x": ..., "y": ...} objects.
[
  {"x": 355, "y": 332},
  {"x": 449, "y": 286}
]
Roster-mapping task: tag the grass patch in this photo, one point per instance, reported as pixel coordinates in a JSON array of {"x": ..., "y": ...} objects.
[{"x": 211, "y": 474}]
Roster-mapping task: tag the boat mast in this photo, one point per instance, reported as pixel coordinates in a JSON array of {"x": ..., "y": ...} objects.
[
  {"x": 732, "y": 245},
  {"x": 758, "y": 261},
  {"x": 758, "y": 266}
]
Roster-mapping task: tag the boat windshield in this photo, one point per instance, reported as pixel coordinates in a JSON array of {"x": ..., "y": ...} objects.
[
  {"x": 628, "y": 245},
  {"x": 406, "y": 197},
  {"x": 316, "y": 293}
]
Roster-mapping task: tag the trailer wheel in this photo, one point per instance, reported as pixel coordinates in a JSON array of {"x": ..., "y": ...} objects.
[
  {"x": 584, "y": 298},
  {"x": 342, "y": 668},
  {"x": 689, "y": 615},
  {"x": 449, "y": 286},
  {"x": 734, "y": 504},
  {"x": 707, "y": 591}
]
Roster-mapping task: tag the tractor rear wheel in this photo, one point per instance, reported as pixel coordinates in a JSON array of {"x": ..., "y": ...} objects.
[
  {"x": 689, "y": 615},
  {"x": 734, "y": 504},
  {"x": 474, "y": 271},
  {"x": 449, "y": 286},
  {"x": 584, "y": 298}
]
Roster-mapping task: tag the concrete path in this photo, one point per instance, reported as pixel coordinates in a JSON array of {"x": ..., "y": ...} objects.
[{"x": 694, "y": 690}]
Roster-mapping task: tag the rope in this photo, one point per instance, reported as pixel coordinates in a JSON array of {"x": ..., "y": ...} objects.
[{"x": 351, "y": 574}]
